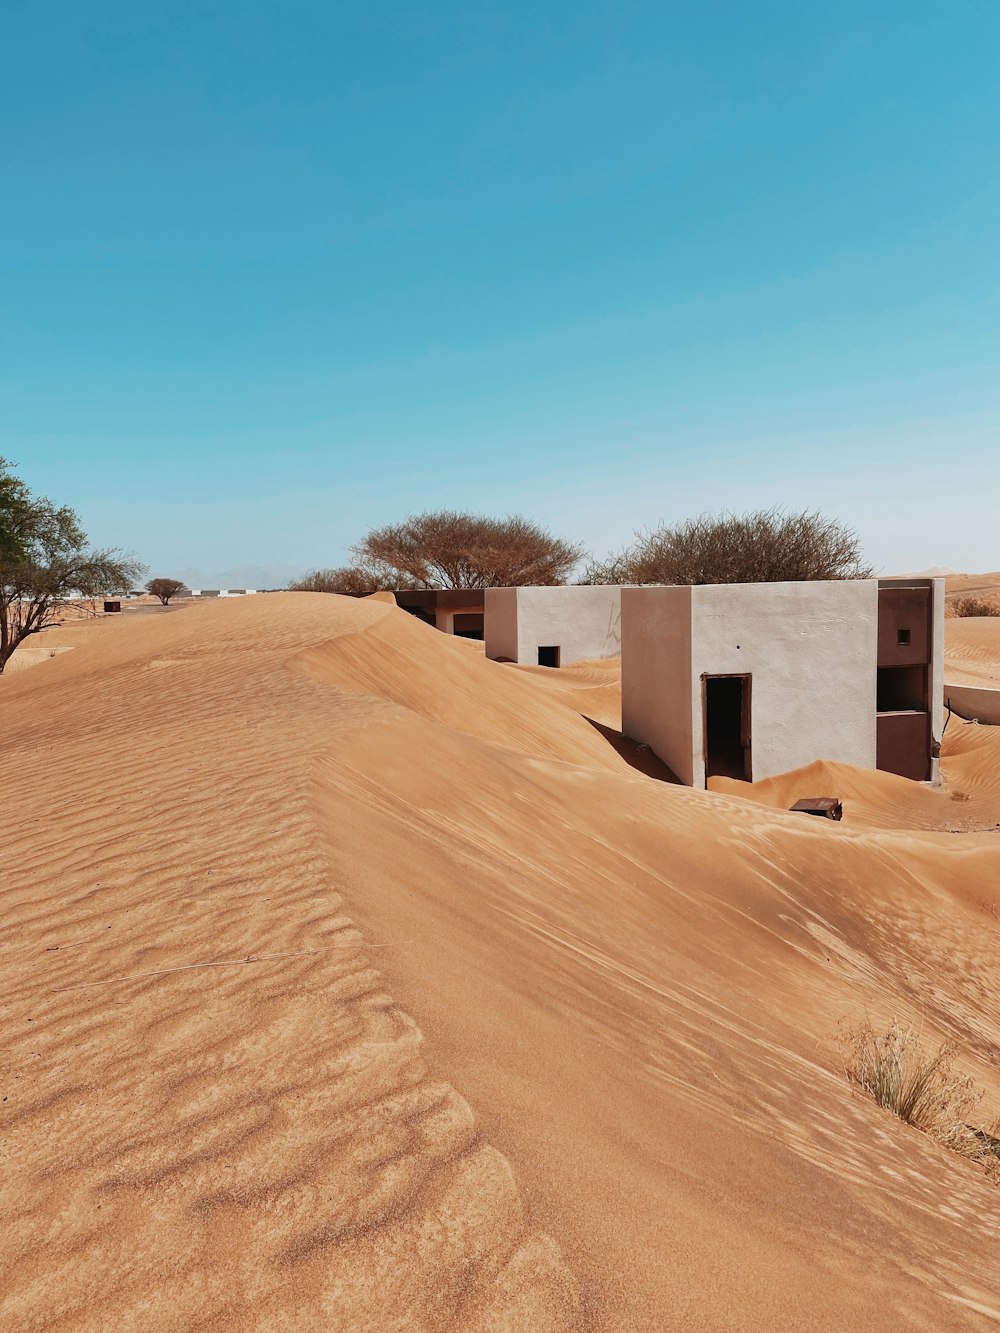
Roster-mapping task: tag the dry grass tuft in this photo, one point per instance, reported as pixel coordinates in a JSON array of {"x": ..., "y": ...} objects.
[
  {"x": 974, "y": 606},
  {"x": 923, "y": 1089}
]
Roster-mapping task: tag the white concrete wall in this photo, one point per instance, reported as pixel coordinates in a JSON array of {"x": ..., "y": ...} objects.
[
  {"x": 968, "y": 701},
  {"x": 583, "y": 622},
  {"x": 658, "y": 706},
  {"x": 811, "y": 650},
  {"x": 500, "y": 623}
]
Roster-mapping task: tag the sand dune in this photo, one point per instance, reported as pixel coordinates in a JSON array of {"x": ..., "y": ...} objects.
[
  {"x": 972, "y": 651},
  {"x": 261, "y": 849}
]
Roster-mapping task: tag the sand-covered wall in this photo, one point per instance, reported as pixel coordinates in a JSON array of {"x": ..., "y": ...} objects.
[
  {"x": 974, "y": 702},
  {"x": 658, "y": 707},
  {"x": 810, "y": 648},
  {"x": 583, "y": 622}
]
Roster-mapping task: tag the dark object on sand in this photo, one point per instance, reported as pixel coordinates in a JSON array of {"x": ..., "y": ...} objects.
[
  {"x": 827, "y": 807},
  {"x": 110, "y": 607}
]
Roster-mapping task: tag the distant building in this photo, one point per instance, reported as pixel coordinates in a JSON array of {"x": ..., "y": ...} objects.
[
  {"x": 751, "y": 680},
  {"x": 218, "y": 592},
  {"x": 553, "y": 626}
]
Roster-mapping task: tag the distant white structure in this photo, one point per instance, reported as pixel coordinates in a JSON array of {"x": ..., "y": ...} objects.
[
  {"x": 218, "y": 592},
  {"x": 553, "y": 626},
  {"x": 750, "y": 680}
]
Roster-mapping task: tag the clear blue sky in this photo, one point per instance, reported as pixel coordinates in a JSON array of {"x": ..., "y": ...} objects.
[{"x": 276, "y": 272}]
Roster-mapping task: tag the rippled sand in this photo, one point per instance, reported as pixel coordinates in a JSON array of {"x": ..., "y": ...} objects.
[{"x": 355, "y": 982}]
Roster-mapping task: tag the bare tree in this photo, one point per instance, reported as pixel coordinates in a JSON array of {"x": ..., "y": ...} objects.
[
  {"x": 45, "y": 563},
  {"x": 453, "y": 550},
  {"x": 768, "y": 546},
  {"x": 164, "y": 589},
  {"x": 349, "y": 581}
]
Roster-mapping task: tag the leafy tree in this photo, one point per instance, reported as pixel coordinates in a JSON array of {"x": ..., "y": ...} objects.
[
  {"x": 767, "y": 546},
  {"x": 13, "y": 505},
  {"x": 45, "y": 561},
  {"x": 454, "y": 550},
  {"x": 164, "y": 589}
]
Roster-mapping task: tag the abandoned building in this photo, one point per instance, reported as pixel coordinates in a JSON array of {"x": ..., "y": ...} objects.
[
  {"x": 553, "y": 626},
  {"x": 452, "y": 610},
  {"x": 751, "y": 680}
]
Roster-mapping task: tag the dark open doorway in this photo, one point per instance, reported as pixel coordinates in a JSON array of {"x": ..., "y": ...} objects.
[
  {"x": 727, "y": 727},
  {"x": 548, "y": 657}
]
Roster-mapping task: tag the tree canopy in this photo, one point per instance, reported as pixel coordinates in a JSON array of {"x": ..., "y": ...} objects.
[
  {"x": 164, "y": 589},
  {"x": 45, "y": 561},
  {"x": 448, "y": 549},
  {"x": 348, "y": 580},
  {"x": 766, "y": 546}
]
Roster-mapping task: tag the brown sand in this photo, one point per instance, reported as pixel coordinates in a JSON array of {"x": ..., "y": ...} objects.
[{"x": 628, "y": 1112}]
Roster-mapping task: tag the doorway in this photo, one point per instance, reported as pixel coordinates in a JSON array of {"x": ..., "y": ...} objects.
[
  {"x": 548, "y": 656},
  {"x": 727, "y": 727}
]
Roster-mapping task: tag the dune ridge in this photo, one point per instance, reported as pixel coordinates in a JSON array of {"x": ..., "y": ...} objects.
[{"x": 348, "y": 832}]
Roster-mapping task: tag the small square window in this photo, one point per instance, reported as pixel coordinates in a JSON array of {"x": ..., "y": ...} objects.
[{"x": 902, "y": 636}]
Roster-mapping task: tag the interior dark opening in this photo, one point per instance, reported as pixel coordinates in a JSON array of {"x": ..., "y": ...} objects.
[
  {"x": 469, "y": 625},
  {"x": 548, "y": 656},
  {"x": 727, "y": 730},
  {"x": 901, "y": 689},
  {"x": 902, "y": 636}
]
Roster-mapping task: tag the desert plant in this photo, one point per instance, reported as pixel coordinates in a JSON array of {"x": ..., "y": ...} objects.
[
  {"x": 348, "y": 581},
  {"x": 767, "y": 546},
  {"x": 923, "y": 1089},
  {"x": 454, "y": 550},
  {"x": 164, "y": 589},
  {"x": 974, "y": 606},
  {"x": 893, "y": 1068}
]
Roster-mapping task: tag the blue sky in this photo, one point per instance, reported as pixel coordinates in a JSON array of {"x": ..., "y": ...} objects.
[{"x": 274, "y": 273}]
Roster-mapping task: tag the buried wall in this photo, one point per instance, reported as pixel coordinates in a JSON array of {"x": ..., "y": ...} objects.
[
  {"x": 573, "y": 623},
  {"x": 658, "y": 706},
  {"x": 808, "y": 650}
]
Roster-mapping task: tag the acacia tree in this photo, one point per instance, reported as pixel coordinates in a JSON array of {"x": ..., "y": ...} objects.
[
  {"x": 453, "y": 550},
  {"x": 45, "y": 562},
  {"x": 766, "y": 546},
  {"x": 164, "y": 589},
  {"x": 349, "y": 581}
]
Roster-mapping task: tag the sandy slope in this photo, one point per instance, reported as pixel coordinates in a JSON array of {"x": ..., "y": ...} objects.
[
  {"x": 628, "y": 1112},
  {"x": 972, "y": 651}
]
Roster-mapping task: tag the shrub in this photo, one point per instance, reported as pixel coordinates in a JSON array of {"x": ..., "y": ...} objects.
[
  {"x": 348, "y": 581},
  {"x": 922, "y": 1089},
  {"x": 768, "y": 546},
  {"x": 974, "y": 606}
]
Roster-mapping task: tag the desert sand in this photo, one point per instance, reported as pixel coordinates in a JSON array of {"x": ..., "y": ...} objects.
[
  {"x": 973, "y": 651},
  {"x": 355, "y": 982}
]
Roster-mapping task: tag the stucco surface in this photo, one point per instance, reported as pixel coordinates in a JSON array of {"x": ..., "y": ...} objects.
[
  {"x": 500, "y": 623},
  {"x": 972, "y": 701},
  {"x": 810, "y": 650},
  {"x": 658, "y": 707},
  {"x": 583, "y": 622}
]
